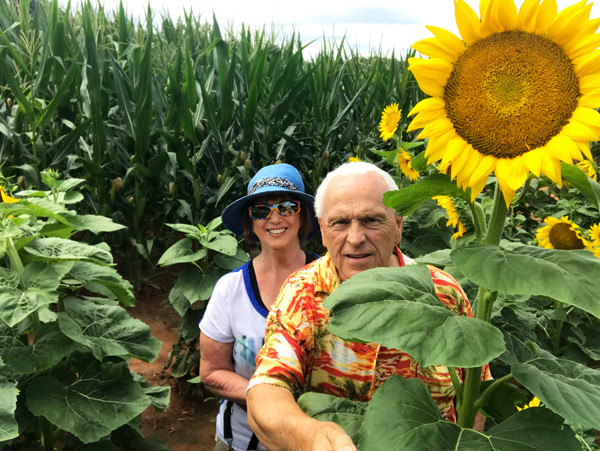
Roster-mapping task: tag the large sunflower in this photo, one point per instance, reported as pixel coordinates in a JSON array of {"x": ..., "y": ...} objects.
[
  {"x": 515, "y": 95},
  {"x": 561, "y": 234}
]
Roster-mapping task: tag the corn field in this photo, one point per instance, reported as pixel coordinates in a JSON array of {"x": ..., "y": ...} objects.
[{"x": 168, "y": 121}]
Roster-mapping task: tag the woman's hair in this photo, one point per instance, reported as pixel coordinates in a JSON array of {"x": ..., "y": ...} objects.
[{"x": 305, "y": 219}]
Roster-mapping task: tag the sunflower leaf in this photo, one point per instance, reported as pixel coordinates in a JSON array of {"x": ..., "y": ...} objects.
[
  {"x": 567, "y": 276},
  {"x": 407, "y": 200},
  {"x": 402, "y": 415},
  {"x": 576, "y": 177},
  {"x": 398, "y": 308}
]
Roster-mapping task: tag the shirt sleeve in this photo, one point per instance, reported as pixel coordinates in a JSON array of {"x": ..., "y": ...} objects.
[
  {"x": 289, "y": 341},
  {"x": 216, "y": 322}
]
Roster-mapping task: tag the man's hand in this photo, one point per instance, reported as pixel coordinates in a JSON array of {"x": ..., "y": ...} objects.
[
  {"x": 328, "y": 437},
  {"x": 281, "y": 425}
]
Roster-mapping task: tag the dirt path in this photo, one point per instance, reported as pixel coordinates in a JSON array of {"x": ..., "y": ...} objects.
[{"x": 189, "y": 422}]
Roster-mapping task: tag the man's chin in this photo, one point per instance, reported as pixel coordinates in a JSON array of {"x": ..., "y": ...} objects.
[{"x": 354, "y": 266}]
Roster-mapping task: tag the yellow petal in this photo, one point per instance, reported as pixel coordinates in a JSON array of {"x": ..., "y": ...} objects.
[
  {"x": 458, "y": 163},
  {"x": 518, "y": 174},
  {"x": 425, "y": 118},
  {"x": 577, "y": 48},
  {"x": 564, "y": 20},
  {"x": 448, "y": 39},
  {"x": 6, "y": 198},
  {"x": 591, "y": 100},
  {"x": 477, "y": 188},
  {"x": 435, "y": 48},
  {"x": 437, "y": 146},
  {"x": 585, "y": 148},
  {"x": 559, "y": 151},
  {"x": 578, "y": 132},
  {"x": 505, "y": 14},
  {"x": 467, "y": 21},
  {"x": 438, "y": 127},
  {"x": 567, "y": 143},
  {"x": 485, "y": 168},
  {"x": 545, "y": 16},
  {"x": 588, "y": 64},
  {"x": 589, "y": 83},
  {"x": 430, "y": 103},
  {"x": 527, "y": 14},
  {"x": 587, "y": 116},
  {"x": 591, "y": 27},
  {"x": 533, "y": 161},
  {"x": 455, "y": 147},
  {"x": 551, "y": 168}
]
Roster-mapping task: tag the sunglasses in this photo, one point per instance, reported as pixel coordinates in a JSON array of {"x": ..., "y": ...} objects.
[{"x": 264, "y": 211}]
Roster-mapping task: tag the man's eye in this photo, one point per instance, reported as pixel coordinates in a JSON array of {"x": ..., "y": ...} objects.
[{"x": 340, "y": 222}]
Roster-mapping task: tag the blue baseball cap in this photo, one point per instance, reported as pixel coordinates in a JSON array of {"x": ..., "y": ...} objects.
[{"x": 274, "y": 179}]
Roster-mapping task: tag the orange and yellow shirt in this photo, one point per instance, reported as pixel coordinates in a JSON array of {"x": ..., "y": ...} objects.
[{"x": 301, "y": 355}]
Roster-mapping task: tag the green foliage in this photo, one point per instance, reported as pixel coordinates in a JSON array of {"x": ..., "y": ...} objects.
[{"x": 63, "y": 353}]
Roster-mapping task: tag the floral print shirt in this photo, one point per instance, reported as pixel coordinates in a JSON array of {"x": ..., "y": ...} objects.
[{"x": 301, "y": 355}]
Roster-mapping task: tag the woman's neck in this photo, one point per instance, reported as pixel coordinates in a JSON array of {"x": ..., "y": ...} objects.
[{"x": 280, "y": 258}]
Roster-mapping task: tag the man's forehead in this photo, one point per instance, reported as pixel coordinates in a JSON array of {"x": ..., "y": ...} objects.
[{"x": 369, "y": 186}]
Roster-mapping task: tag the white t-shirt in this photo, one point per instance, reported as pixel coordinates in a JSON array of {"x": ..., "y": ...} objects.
[{"x": 234, "y": 315}]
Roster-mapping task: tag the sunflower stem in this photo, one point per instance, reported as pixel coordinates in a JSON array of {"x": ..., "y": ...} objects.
[
  {"x": 456, "y": 385},
  {"x": 485, "y": 396},
  {"x": 485, "y": 302},
  {"x": 559, "y": 306}
]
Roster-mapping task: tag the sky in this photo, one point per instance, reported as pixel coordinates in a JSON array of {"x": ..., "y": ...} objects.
[{"x": 367, "y": 25}]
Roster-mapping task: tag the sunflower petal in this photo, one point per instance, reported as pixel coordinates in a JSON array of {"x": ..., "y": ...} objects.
[
  {"x": 477, "y": 188},
  {"x": 545, "y": 16},
  {"x": 587, "y": 116},
  {"x": 558, "y": 151},
  {"x": 449, "y": 40},
  {"x": 455, "y": 147},
  {"x": 551, "y": 168},
  {"x": 578, "y": 131},
  {"x": 425, "y": 118},
  {"x": 433, "y": 47},
  {"x": 518, "y": 174},
  {"x": 589, "y": 83},
  {"x": 438, "y": 127},
  {"x": 591, "y": 27},
  {"x": 527, "y": 14},
  {"x": 437, "y": 146},
  {"x": 588, "y": 64},
  {"x": 566, "y": 19},
  {"x": 577, "y": 48},
  {"x": 427, "y": 104},
  {"x": 532, "y": 160},
  {"x": 467, "y": 22},
  {"x": 485, "y": 168},
  {"x": 585, "y": 148},
  {"x": 505, "y": 14}
]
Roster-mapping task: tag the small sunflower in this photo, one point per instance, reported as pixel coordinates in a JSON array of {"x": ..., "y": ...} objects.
[
  {"x": 535, "y": 402},
  {"x": 589, "y": 169},
  {"x": 405, "y": 163},
  {"x": 6, "y": 198},
  {"x": 595, "y": 234},
  {"x": 353, "y": 160},
  {"x": 561, "y": 234},
  {"x": 515, "y": 94},
  {"x": 453, "y": 218},
  {"x": 389, "y": 121}
]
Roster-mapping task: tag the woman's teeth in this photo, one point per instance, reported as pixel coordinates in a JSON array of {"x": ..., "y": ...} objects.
[{"x": 276, "y": 231}]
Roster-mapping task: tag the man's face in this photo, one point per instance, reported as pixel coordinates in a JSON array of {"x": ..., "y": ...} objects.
[{"x": 358, "y": 231}]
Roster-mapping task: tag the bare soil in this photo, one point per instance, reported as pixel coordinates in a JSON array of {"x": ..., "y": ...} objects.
[{"x": 189, "y": 422}]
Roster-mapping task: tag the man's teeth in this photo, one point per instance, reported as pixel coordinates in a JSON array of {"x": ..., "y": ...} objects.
[
  {"x": 276, "y": 231},
  {"x": 358, "y": 256}
]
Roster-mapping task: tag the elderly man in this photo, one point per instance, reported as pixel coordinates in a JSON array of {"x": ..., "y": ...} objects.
[{"x": 300, "y": 355}]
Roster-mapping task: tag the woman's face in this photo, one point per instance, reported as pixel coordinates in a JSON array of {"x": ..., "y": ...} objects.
[{"x": 277, "y": 232}]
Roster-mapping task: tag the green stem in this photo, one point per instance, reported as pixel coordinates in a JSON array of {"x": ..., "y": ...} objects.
[
  {"x": 13, "y": 255},
  {"x": 485, "y": 396},
  {"x": 558, "y": 327},
  {"x": 486, "y": 298},
  {"x": 47, "y": 433},
  {"x": 479, "y": 221},
  {"x": 456, "y": 385}
]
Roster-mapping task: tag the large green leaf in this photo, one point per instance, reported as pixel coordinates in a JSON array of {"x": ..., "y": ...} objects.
[
  {"x": 108, "y": 330},
  {"x": 567, "y": 276},
  {"x": 181, "y": 252},
  {"x": 194, "y": 285},
  {"x": 223, "y": 243},
  {"x": 398, "y": 308},
  {"x": 88, "y": 398},
  {"x": 94, "y": 223},
  {"x": 516, "y": 334},
  {"x": 40, "y": 282},
  {"x": 8, "y": 404},
  {"x": 104, "y": 280},
  {"x": 407, "y": 200},
  {"x": 402, "y": 416},
  {"x": 159, "y": 395},
  {"x": 49, "y": 347},
  {"x": 346, "y": 413},
  {"x": 57, "y": 249},
  {"x": 231, "y": 262},
  {"x": 568, "y": 388},
  {"x": 503, "y": 401}
]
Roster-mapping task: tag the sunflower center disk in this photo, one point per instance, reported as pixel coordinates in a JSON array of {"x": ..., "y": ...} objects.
[
  {"x": 562, "y": 237},
  {"x": 510, "y": 93}
]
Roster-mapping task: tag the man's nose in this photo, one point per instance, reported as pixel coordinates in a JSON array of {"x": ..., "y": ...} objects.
[{"x": 356, "y": 233}]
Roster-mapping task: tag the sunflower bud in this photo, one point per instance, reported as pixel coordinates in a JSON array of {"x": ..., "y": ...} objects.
[
  {"x": 172, "y": 189},
  {"x": 117, "y": 184},
  {"x": 325, "y": 157},
  {"x": 219, "y": 178},
  {"x": 131, "y": 200},
  {"x": 21, "y": 182},
  {"x": 310, "y": 173},
  {"x": 241, "y": 156},
  {"x": 82, "y": 120},
  {"x": 278, "y": 162},
  {"x": 247, "y": 165},
  {"x": 9, "y": 103}
]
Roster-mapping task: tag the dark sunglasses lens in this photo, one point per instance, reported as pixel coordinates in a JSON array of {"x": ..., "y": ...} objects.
[
  {"x": 260, "y": 211},
  {"x": 288, "y": 208}
]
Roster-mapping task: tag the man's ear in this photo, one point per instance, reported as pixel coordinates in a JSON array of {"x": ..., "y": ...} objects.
[
  {"x": 323, "y": 235},
  {"x": 399, "y": 222}
]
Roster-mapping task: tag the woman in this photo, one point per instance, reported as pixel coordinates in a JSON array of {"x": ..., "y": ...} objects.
[{"x": 279, "y": 214}]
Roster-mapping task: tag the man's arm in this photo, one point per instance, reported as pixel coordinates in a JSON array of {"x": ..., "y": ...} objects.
[{"x": 281, "y": 425}]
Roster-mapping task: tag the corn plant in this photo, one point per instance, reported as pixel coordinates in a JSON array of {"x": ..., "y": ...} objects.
[{"x": 65, "y": 341}]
